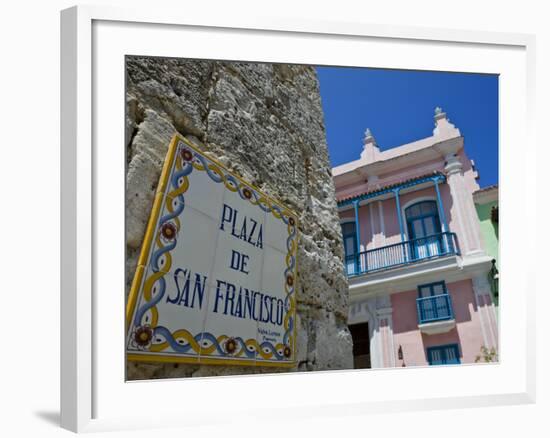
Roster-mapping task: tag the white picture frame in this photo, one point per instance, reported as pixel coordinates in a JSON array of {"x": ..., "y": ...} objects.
[{"x": 94, "y": 395}]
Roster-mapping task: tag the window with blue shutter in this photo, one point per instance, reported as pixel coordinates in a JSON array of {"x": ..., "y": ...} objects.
[
  {"x": 424, "y": 229},
  {"x": 433, "y": 303},
  {"x": 350, "y": 247},
  {"x": 444, "y": 355}
]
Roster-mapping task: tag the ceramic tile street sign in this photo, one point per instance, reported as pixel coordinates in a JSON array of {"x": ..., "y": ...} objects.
[{"x": 215, "y": 278}]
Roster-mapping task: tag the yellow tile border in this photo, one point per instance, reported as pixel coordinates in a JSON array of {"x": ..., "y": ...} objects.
[{"x": 145, "y": 254}]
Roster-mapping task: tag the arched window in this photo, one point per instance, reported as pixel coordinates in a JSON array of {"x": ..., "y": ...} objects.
[
  {"x": 424, "y": 229},
  {"x": 350, "y": 246}
]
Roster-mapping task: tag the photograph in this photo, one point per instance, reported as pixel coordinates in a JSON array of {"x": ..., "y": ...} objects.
[
  {"x": 309, "y": 219},
  {"x": 295, "y": 218}
]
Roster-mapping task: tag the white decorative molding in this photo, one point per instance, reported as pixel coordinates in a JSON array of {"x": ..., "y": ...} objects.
[
  {"x": 358, "y": 313},
  {"x": 481, "y": 285},
  {"x": 372, "y": 311},
  {"x": 486, "y": 310},
  {"x": 384, "y": 311},
  {"x": 383, "y": 305},
  {"x": 403, "y": 278},
  {"x": 407, "y": 277},
  {"x": 374, "y": 329},
  {"x": 476, "y": 264},
  {"x": 437, "y": 327},
  {"x": 391, "y": 346},
  {"x": 452, "y": 165}
]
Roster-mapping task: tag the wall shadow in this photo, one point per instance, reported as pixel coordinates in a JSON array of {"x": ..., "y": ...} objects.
[{"x": 51, "y": 417}]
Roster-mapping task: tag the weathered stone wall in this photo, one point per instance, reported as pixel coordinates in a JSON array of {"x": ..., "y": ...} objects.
[{"x": 264, "y": 122}]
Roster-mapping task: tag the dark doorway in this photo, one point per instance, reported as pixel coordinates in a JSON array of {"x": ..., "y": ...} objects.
[{"x": 361, "y": 345}]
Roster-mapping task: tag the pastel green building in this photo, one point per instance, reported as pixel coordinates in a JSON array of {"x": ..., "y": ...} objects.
[{"x": 486, "y": 201}]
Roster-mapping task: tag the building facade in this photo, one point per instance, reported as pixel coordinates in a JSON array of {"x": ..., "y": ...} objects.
[
  {"x": 418, "y": 272},
  {"x": 486, "y": 201}
]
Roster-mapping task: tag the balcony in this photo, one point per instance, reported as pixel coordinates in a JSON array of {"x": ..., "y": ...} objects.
[
  {"x": 434, "y": 308},
  {"x": 435, "y": 314},
  {"x": 402, "y": 254}
]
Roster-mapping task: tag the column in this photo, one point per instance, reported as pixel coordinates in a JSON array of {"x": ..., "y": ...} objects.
[
  {"x": 385, "y": 325},
  {"x": 386, "y": 347},
  {"x": 401, "y": 227},
  {"x": 463, "y": 206},
  {"x": 486, "y": 310},
  {"x": 357, "y": 234},
  {"x": 446, "y": 239},
  {"x": 374, "y": 332},
  {"x": 399, "y": 215},
  {"x": 444, "y": 226}
]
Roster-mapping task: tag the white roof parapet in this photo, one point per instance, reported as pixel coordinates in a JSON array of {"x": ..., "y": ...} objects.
[
  {"x": 371, "y": 151},
  {"x": 443, "y": 127},
  {"x": 368, "y": 137},
  {"x": 372, "y": 158}
]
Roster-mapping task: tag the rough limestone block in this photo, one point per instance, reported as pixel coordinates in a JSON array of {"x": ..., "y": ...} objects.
[{"x": 264, "y": 122}]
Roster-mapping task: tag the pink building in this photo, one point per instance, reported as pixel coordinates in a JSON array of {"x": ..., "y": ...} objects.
[{"x": 418, "y": 274}]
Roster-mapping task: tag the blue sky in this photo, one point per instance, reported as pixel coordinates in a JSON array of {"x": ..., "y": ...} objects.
[{"x": 398, "y": 107}]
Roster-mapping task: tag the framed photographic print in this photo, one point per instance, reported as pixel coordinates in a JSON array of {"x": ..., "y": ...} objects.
[{"x": 290, "y": 208}]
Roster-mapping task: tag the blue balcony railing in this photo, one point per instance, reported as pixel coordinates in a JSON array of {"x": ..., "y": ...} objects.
[
  {"x": 434, "y": 308},
  {"x": 402, "y": 253}
]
